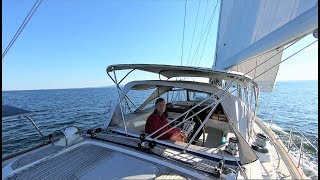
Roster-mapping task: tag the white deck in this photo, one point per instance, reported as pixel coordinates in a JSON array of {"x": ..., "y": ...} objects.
[
  {"x": 91, "y": 159},
  {"x": 94, "y": 159}
]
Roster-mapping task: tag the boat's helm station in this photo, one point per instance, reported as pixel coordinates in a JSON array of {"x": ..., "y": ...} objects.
[{"x": 193, "y": 121}]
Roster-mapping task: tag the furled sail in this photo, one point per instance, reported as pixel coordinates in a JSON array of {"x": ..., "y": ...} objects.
[{"x": 251, "y": 32}]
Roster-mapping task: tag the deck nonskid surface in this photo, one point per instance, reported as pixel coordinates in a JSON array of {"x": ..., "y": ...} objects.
[{"x": 92, "y": 161}]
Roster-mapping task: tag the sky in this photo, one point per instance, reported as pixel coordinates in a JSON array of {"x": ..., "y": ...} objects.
[{"x": 69, "y": 44}]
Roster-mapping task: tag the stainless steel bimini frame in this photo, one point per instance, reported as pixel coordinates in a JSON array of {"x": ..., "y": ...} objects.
[{"x": 173, "y": 71}]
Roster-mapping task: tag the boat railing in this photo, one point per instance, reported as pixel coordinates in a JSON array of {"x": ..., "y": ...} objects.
[
  {"x": 290, "y": 139},
  {"x": 293, "y": 144},
  {"x": 37, "y": 128}
]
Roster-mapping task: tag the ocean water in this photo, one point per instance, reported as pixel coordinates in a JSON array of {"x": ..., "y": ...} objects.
[{"x": 292, "y": 105}]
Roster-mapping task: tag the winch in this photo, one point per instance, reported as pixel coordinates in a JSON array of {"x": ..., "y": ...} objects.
[
  {"x": 260, "y": 143},
  {"x": 232, "y": 146}
]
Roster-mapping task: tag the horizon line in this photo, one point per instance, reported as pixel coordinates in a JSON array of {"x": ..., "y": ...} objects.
[{"x": 281, "y": 80}]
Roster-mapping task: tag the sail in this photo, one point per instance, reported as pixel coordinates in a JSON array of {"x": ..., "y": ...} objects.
[
  {"x": 264, "y": 62},
  {"x": 251, "y": 32}
]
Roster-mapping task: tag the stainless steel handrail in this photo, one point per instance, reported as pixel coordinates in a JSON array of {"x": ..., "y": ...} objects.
[
  {"x": 64, "y": 134},
  {"x": 34, "y": 124},
  {"x": 307, "y": 140},
  {"x": 303, "y": 140},
  {"x": 290, "y": 139},
  {"x": 300, "y": 151}
]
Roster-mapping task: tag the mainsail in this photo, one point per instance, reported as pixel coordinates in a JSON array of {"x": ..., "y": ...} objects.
[{"x": 251, "y": 32}]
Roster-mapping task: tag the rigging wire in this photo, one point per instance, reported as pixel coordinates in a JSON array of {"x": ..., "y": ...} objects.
[
  {"x": 194, "y": 30},
  {"x": 286, "y": 59},
  {"x": 266, "y": 110},
  {"x": 226, "y": 89},
  {"x": 295, "y": 41},
  {"x": 184, "y": 25},
  {"x": 205, "y": 14},
  {"x": 277, "y": 65},
  {"x": 280, "y": 63},
  {"x": 22, "y": 26},
  {"x": 205, "y": 42},
  {"x": 211, "y": 18}
]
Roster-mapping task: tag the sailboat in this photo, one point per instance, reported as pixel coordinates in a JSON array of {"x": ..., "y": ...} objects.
[{"x": 224, "y": 137}]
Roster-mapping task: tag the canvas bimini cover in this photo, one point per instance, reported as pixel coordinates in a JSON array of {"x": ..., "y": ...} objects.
[
  {"x": 171, "y": 71},
  {"x": 251, "y": 32},
  {"x": 234, "y": 108}
]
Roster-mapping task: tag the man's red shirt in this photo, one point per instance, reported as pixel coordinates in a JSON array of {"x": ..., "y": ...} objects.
[{"x": 155, "y": 122}]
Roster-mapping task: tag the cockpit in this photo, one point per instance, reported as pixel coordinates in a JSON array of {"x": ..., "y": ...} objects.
[{"x": 188, "y": 104}]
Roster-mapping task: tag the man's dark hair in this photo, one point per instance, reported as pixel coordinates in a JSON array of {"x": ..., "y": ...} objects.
[{"x": 159, "y": 100}]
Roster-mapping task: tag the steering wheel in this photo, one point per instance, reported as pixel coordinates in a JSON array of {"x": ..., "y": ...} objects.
[{"x": 198, "y": 123}]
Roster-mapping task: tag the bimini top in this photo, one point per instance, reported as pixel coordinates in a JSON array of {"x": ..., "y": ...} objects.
[{"x": 170, "y": 71}]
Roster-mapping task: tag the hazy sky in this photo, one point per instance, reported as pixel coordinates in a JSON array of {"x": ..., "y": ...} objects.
[{"x": 69, "y": 44}]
